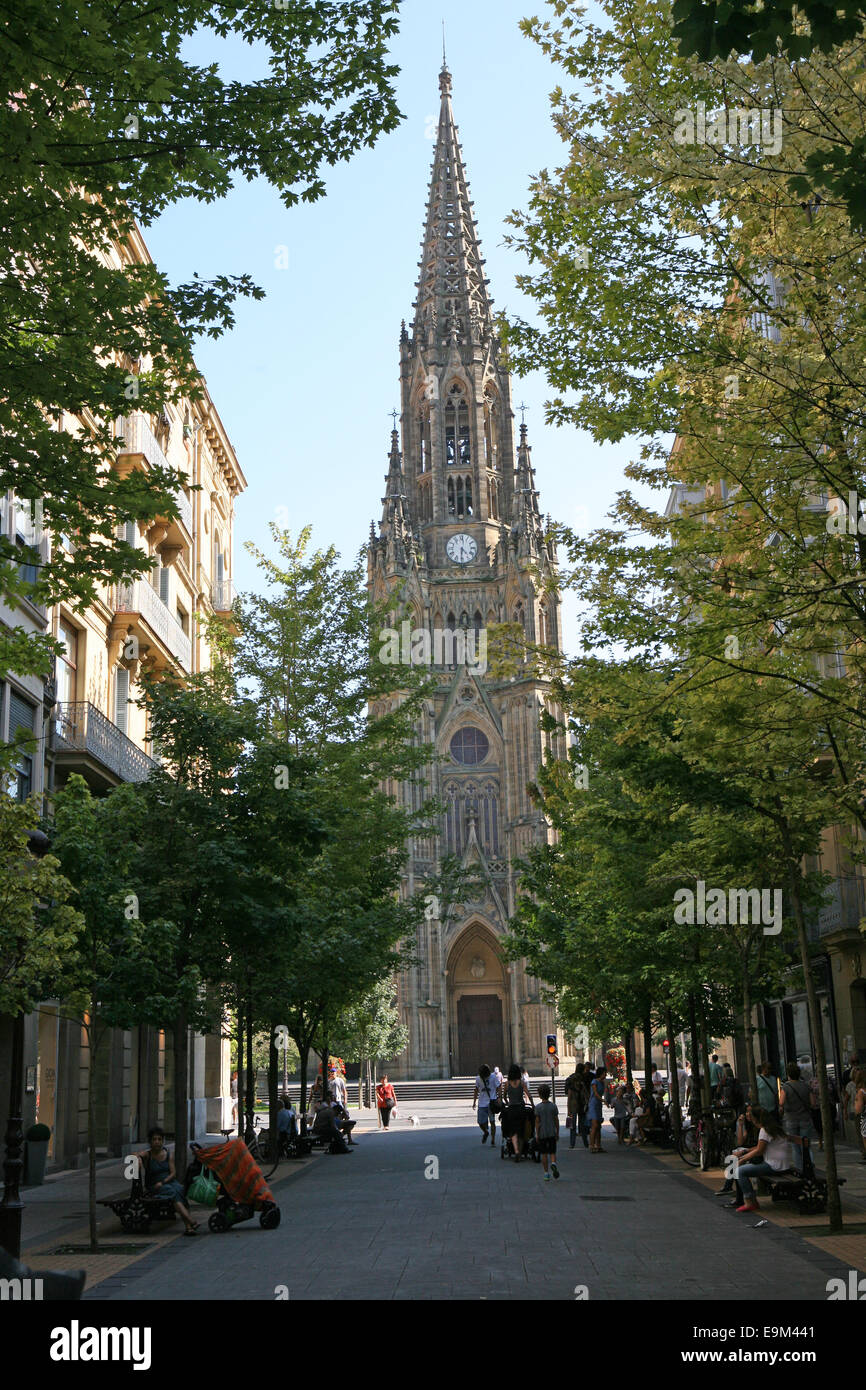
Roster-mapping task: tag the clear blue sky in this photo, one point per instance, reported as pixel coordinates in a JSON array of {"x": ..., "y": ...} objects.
[{"x": 307, "y": 378}]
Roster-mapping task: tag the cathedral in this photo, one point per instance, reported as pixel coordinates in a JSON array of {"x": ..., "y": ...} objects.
[{"x": 463, "y": 543}]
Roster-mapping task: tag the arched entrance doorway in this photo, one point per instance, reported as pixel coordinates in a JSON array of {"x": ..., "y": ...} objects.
[{"x": 477, "y": 1001}]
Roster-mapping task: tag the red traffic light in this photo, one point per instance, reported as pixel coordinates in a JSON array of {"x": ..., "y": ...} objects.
[{"x": 666, "y": 1045}]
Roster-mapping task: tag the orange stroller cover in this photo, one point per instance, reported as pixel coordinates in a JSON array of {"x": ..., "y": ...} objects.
[{"x": 238, "y": 1172}]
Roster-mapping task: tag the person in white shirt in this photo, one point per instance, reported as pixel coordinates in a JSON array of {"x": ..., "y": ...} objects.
[
  {"x": 659, "y": 1082},
  {"x": 771, "y": 1154},
  {"x": 681, "y": 1078}
]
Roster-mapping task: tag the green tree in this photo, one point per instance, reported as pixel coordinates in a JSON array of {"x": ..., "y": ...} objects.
[
  {"x": 370, "y": 1030},
  {"x": 118, "y": 974},
  {"x": 108, "y": 119},
  {"x": 38, "y": 922},
  {"x": 307, "y": 659}
]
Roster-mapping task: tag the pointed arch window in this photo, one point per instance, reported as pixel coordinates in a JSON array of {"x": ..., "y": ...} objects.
[
  {"x": 458, "y": 450},
  {"x": 519, "y": 616},
  {"x": 492, "y": 499},
  {"x": 491, "y": 428},
  {"x": 543, "y": 625},
  {"x": 460, "y": 497},
  {"x": 425, "y": 451}
]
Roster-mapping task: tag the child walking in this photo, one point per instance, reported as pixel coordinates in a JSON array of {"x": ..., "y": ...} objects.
[{"x": 547, "y": 1131}]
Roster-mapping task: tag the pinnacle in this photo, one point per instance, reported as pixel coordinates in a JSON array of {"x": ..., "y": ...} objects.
[{"x": 452, "y": 300}]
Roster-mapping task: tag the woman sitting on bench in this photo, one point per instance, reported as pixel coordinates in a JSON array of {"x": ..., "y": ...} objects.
[
  {"x": 160, "y": 1178},
  {"x": 771, "y": 1154}
]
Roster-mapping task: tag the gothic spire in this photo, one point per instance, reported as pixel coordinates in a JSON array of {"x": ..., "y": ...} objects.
[
  {"x": 396, "y": 521},
  {"x": 452, "y": 291},
  {"x": 527, "y": 515}
]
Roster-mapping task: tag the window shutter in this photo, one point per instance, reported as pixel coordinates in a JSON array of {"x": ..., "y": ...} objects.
[
  {"x": 20, "y": 716},
  {"x": 121, "y": 697},
  {"x": 164, "y": 584}
]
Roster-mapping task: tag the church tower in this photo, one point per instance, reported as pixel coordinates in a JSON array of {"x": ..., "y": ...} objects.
[{"x": 463, "y": 542}]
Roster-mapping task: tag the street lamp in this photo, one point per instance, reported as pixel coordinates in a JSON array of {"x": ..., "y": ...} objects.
[{"x": 11, "y": 1206}]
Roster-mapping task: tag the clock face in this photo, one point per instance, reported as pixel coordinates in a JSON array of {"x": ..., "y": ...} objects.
[{"x": 461, "y": 549}]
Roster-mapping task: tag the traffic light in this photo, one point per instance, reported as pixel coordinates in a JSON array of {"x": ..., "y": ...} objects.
[
  {"x": 666, "y": 1045},
  {"x": 551, "y": 1044}
]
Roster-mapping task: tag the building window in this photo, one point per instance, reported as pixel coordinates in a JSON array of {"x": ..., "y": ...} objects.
[
  {"x": 121, "y": 698},
  {"x": 67, "y": 663},
  {"x": 469, "y": 746},
  {"x": 426, "y": 451},
  {"x": 21, "y": 716},
  {"x": 458, "y": 451},
  {"x": 460, "y": 497}
]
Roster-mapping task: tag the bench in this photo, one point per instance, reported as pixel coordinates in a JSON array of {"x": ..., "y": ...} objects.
[
  {"x": 808, "y": 1189},
  {"x": 136, "y": 1208}
]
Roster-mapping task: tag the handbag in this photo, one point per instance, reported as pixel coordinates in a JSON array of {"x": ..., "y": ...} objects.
[{"x": 203, "y": 1189}]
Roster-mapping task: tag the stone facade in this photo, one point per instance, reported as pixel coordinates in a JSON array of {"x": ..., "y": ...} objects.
[{"x": 463, "y": 542}]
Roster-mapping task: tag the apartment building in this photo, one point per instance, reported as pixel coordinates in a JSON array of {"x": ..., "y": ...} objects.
[{"x": 86, "y": 719}]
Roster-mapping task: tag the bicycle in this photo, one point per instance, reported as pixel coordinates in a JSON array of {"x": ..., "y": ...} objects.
[{"x": 263, "y": 1154}]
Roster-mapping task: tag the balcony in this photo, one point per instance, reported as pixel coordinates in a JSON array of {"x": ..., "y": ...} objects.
[
  {"x": 139, "y": 441},
  {"x": 86, "y": 741},
  {"x": 140, "y": 447},
  {"x": 223, "y": 595},
  {"x": 140, "y": 600}
]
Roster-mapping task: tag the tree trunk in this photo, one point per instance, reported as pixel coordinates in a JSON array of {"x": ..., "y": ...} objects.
[
  {"x": 240, "y": 1069},
  {"x": 648, "y": 1052},
  {"x": 626, "y": 1042},
  {"x": 181, "y": 1095},
  {"x": 91, "y": 1128},
  {"x": 273, "y": 1079},
  {"x": 251, "y": 1073},
  {"x": 304, "y": 1054},
  {"x": 370, "y": 1097},
  {"x": 834, "y": 1199},
  {"x": 694, "y": 1104},
  {"x": 326, "y": 1079},
  {"x": 675, "y": 1112},
  {"x": 361, "y": 1084},
  {"x": 706, "y": 1098},
  {"x": 747, "y": 1032}
]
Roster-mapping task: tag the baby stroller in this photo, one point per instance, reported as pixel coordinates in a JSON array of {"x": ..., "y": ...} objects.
[
  {"x": 242, "y": 1189},
  {"x": 528, "y": 1144}
]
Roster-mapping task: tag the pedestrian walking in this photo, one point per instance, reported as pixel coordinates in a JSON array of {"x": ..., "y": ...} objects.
[
  {"x": 486, "y": 1097},
  {"x": 386, "y": 1101},
  {"x": 577, "y": 1099},
  {"x": 514, "y": 1109},
  {"x": 338, "y": 1088},
  {"x": 796, "y": 1111},
  {"x": 594, "y": 1111},
  {"x": 620, "y": 1114},
  {"x": 856, "y": 1081},
  {"x": 547, "y": 1131},
  {"x": 233, "y": 1093},
  {"x": 859, "y": 1079},
  {"x": 768, "y": 1089}
]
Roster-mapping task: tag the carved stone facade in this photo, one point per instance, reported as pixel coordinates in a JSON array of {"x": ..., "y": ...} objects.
[{"x": 463, "y": 542}]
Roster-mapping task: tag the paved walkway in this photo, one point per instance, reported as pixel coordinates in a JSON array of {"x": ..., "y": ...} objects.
[{"x": 621, "y": 1225}]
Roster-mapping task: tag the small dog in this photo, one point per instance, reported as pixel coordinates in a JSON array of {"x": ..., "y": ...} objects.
[{"x": 414, "y": 1121}]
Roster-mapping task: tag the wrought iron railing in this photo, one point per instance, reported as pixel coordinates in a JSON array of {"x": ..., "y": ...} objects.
[
  {"x": 140, "y": 597},
  {"x": 81, "y": 726},
  {"x": 223, "y": 595}
]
